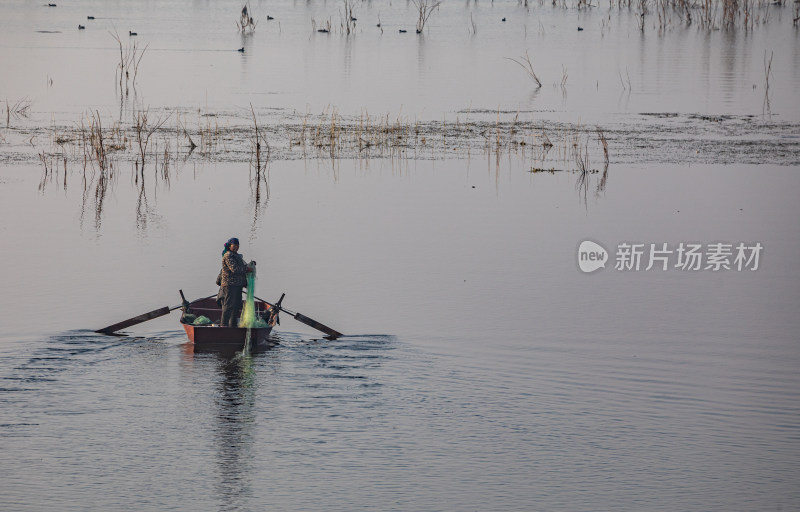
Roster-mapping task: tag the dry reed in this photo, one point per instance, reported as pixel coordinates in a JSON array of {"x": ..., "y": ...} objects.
[
  {"x": 130, "y": 56},
  {"x": 424, "y": 10},
  {"x": 348, "y": 19},
  {"x": 525, "y": 63},
  {"x": 19, "y": 109}
]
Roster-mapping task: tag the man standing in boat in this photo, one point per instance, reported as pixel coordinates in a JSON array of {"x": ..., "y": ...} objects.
[{"x": 232, "y": 279}]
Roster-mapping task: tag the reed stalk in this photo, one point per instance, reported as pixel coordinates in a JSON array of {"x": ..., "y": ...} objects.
[
  {"x": 424, "y": 10},
  {"x": 348, "y": 19},
  {"x": 601, "y": 137},
  {"x": 525, "y": 63}
]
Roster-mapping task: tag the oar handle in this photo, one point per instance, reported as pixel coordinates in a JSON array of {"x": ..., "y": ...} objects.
[
  {"x": 277, "y": 305},
  {"x": 304, "y": 319},
  {"x": 147, "y": 316},
  {"x": 187, "y": 303}
]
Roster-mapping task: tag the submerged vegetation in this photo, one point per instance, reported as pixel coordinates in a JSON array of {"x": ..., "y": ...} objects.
[
  {"x": 328, "y": 134},
  {"x": 99, "y": 150},
  {"x": 526, "y": 64},
  {"x": 709, "y": 14},
  {"x": 157, "y": 143},
  {"x": 130, "y": 56},
  {"x": 21, "y": 108},
  {"x": 169, "y": 137},
  {"x": 424, "y": 10}
]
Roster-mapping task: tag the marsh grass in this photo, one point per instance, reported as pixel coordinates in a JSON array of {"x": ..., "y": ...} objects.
[
  {"x": 95, "y": 147},
  {"x": 601, "y": 137},
  {"x": 144, "y": 128},
  {"x": 425, "y": 9},
  {"x": 767, "y": 73},
  {"x": 130, "y": 56},
  {"x": 603, "y": 182},
  {"x": 767, "y": 69},
  {"x": 260, "y": 151},
  {"x": 525, "y": 63},
  {"x": 348, "y": 18},
  {"x": 710, "y": 14},
  {"x": 21, "y": 108},
  {"x": 146, "y": 140},
  {"x": 209, "y": 134},
  {"x": 259, "y": 162}
]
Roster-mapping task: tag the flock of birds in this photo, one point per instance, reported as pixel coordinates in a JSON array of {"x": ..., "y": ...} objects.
[{"x": 269, "y": 18}]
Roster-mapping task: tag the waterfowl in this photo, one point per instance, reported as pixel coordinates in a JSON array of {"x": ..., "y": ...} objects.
[
  {"x": 503, "y": 19},
  {"x": 81, "y": 27},
  {"x": 402, "y": 31},
  {"x": 269, "y": 17},
  {"x": 132, "y": 33},
  {"x": 241, "y": 49},
  {"x": 89, "y": 17},
  {"x": 580, "y": 29}
]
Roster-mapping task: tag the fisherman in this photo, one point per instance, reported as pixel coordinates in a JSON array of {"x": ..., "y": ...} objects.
[{"x": 232, "y": 279}]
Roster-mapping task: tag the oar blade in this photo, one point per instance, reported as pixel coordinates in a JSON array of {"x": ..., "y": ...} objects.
[
  {"x": 316, "y": 325},
  {"x": 135, "y": 320}
]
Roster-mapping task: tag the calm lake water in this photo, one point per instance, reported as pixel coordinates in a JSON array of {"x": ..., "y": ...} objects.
[{"x": 481, "y": 369}]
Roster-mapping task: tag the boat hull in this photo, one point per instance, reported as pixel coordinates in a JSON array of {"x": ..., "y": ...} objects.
[{"x": 215, "y": 337}]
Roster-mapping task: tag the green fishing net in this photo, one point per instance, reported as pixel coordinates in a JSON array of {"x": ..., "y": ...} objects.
[
  {"x": 248, "y": 318},
  {"x": 201, "y": 320},
  {"x": 260, "y": 323}
]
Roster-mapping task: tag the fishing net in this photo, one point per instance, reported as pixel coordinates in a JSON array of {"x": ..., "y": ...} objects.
[
  {"x": 201, "y": 320},
  {"x": 248, "y": 318},
  {"x": 260, "y": 323}
]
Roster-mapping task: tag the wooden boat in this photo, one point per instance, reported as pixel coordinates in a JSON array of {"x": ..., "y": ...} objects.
[{"x": 214, "y": 337}]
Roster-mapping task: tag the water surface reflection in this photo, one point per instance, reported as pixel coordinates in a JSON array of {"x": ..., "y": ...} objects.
[{"x": 234, "y": 430}]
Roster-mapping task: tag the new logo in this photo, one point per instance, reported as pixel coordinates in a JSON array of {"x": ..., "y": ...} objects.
[{"x": 591, "y": 256}]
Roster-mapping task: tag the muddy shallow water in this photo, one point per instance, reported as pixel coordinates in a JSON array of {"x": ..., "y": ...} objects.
[{"x": 481, "y": 368}]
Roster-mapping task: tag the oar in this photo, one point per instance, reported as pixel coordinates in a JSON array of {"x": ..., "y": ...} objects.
[
  {"x": 111, "y": 329},
  {"x": 304, "y": 319}
]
